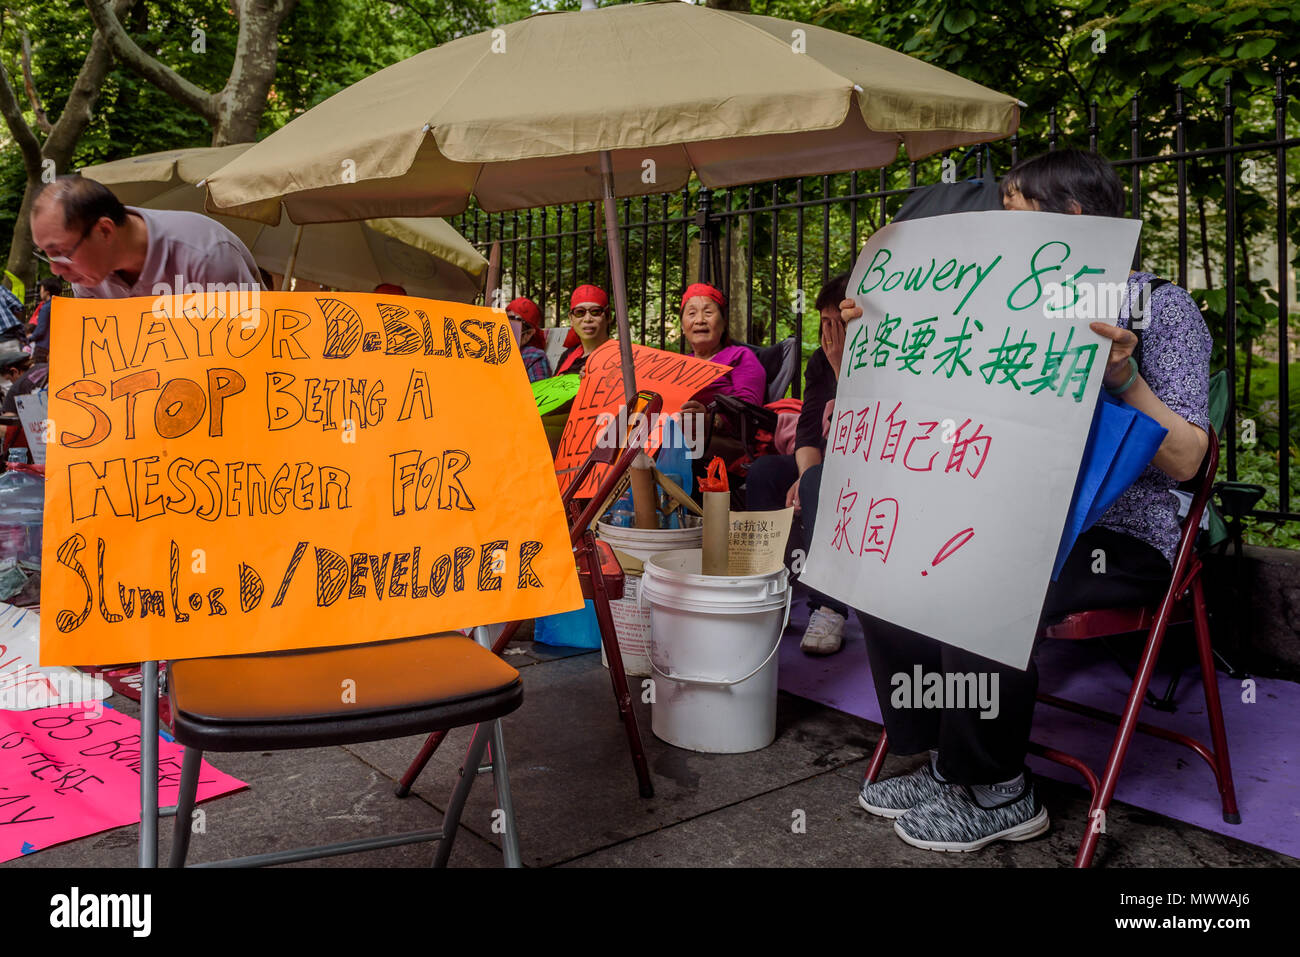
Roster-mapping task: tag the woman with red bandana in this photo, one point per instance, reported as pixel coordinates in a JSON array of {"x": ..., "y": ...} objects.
[
  {"x": 532, "y": 340},
  {"x": 588, "y": 327},
  {"x": 704, "y": 324}
]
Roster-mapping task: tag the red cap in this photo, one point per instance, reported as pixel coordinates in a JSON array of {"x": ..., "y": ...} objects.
[
  {"x": 527, "y": 310},
  {"x": 588, "y": 293},
  {"x": 703, "y": 289},
  {"x": 390, "y": 289}
]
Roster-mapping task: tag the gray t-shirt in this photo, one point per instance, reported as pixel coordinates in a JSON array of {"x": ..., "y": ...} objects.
[{"x": 183, "y": 248}]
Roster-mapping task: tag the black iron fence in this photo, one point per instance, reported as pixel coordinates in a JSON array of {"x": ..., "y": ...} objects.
[{"x": 1217, "y": 210}]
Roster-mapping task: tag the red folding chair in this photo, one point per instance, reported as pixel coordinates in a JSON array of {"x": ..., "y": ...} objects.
[
  {"x": 1184, "y": 602},
  {"x": 601, "y": 578}
]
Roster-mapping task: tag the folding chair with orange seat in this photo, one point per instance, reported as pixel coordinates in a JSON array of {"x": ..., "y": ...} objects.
[
  {"x": 1184, "y": 602},
  {"x": 291, "y": 699},
  {"x": 599, "y": 574}
]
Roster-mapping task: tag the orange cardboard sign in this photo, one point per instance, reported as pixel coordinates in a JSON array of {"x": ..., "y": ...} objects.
[
  {"x": 232, "y": 474},
  {"x": 674, "y": 376}
]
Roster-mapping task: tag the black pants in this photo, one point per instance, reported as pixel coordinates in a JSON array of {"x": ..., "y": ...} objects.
[
  {"x": 766, "y": 484},
  {"x": 985, "y": 750}
]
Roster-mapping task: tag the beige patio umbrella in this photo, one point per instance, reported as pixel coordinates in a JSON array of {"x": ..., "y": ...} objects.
[
  {"x": 627, "y": 100},
  {"x": 424, "y": 255}
]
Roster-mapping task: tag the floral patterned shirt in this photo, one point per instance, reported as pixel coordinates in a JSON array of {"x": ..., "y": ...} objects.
[{"x": 1175, "y": 364}]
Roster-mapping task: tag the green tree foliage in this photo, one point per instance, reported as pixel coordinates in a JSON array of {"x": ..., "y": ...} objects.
[{"x": 325, "y": 45}]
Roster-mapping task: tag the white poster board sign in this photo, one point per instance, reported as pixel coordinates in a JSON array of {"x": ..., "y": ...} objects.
[
  {"x": 32, "y": 413},
  {"x": 964, "y": 401},
  {"x": 24, "y": 684}
]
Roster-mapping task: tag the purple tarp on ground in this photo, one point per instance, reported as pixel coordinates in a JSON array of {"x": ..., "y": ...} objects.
[{"x": 1158, "y": 776}]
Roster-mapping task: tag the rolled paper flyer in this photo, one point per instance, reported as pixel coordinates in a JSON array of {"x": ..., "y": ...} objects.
[{"x": 717, "y": 519}]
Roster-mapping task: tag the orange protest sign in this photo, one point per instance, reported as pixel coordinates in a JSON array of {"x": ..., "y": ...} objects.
[
  {"x": 674, "y": 376},
  {"x": 287, "y": 470}
]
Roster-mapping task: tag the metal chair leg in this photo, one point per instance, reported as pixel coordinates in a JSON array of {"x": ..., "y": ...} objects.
[
  {"x": 1214, "y": 708},
  {"x": 149, "y": 764},
  {"x": 609, "y": 638},
  {"x": 878, "y": 757},
  {"x": 431, "y": 743},
  {"x": 1123, "y": 737},
  {"x": 185, "y": 800},
  {"x": 501, "y": 778},
  {"x": 426, "y": 752},
  {"x": 451, "y": 821}
]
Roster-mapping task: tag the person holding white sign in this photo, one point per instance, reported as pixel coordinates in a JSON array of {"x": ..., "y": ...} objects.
[
  {"x": 794, "y": 481},
  {"x": 974, "y": 790}
]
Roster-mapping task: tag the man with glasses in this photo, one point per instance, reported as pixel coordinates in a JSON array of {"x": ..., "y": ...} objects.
[
  {"x": 110, "y": 251},
  {"x": 588, "y": 327}
]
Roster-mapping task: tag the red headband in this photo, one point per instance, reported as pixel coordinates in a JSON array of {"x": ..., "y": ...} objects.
[
  {"x": 527, "y": 310},
  {"x": 703, "y": 289},
  {"x": 588, "y": 294}
]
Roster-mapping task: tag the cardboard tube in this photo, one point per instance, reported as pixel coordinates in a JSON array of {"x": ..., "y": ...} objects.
[
  {"x": 643, "y": 492},
  {"x": 717, "y": 533}
]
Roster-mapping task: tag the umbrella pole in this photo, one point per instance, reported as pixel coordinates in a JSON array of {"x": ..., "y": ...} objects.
[
  {"x": 642, "y": 472},
  {"x": 616, "y": 273},
  {"x": 492, "y": 294},
  {"x": 293, "y": 260}
]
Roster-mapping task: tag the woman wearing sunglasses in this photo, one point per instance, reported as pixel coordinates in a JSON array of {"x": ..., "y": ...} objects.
[{"x": 588, "y": 327}]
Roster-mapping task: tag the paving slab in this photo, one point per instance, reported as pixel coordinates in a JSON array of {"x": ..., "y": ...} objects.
[
  {"x": 576, "y": 798},
  {"x": 294, "y": 798},
  {"x": 573, "y": 782},
  {"x": 816, "y": 823}
]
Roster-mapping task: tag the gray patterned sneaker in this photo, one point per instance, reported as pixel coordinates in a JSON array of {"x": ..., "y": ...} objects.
[
  {"x": 894, "y": 797},
  {"x": 953, "y": 821}
]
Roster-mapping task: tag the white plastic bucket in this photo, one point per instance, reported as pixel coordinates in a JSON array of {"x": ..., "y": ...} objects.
[
  {"x": 631, "y": 620},
  {"x": 713, "y": 645}
]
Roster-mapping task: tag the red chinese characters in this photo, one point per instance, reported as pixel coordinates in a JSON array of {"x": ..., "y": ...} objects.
[
  {"x": 877, "y": 526},
  {"x": 922, "y": 443}
]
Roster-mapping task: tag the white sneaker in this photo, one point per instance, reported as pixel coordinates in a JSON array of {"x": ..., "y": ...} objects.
[{"x": 824, "y": 634}]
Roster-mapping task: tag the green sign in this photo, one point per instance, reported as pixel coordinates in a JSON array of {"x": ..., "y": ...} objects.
[{"x": 552, "y": 393}]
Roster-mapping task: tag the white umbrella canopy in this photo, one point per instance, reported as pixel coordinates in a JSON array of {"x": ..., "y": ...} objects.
[
  {"x": 519, "y": 117},
  {"x": 622, "y": 101},
  {"x": 426, "y": 256}
]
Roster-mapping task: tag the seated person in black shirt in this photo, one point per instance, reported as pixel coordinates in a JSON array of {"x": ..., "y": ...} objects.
[{"x": 780, "y": 481}]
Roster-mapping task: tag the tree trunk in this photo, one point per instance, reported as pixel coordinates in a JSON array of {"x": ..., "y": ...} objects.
[
  {"x": 235, "y": 112},
  {"x": 59, "y": 146},
  {"x": 738, "y": 6},
  {"x": 240, "y": 105}
]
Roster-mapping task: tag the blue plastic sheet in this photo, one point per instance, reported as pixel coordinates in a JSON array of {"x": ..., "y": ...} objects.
[
  {"x": 570, "y": 629},
  {"x": 673, "y": 460},
  {"x": 1121, "y": 444}
]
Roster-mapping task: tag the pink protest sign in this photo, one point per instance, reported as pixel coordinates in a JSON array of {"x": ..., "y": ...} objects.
[{"x": 68, "y": 772}]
